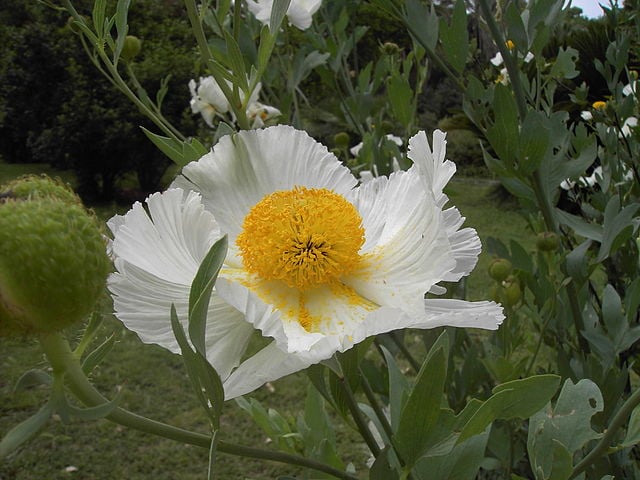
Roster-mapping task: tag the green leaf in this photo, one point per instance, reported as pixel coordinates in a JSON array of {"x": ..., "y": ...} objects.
[
  {"x": 461, "y": 463},
  {"x": 278, "y": 11},
  {"x": 562, "y": 462},
  {"x": 534, "y": 142},
  {"x": 98, "y": 16},
  {"x": 565, "y": 64},
  {"x": 591, "y": 231},
  {"x": 422, "y": 408},
  {"x": 633, "y": 429},
  {"x": 382, "y": 469},
  {"x": 503, "y": 134},
  {"x": 25, "y": 430},
  {"x": 236, "y": 62},
  {"x": 398, "y": 389},
  {"x": 96, "y": 356},
  {"x": 400, "y": 98},
  {"x": 455, "y": 38},
  {"x": 122, "y": 28},
  {"x": 200, "y": 293},
  {"x": 617, "y": 226},
  {"x": 569, "y": 423},
  {"x": 516, "y": 29},
  {"x": 515, "y": 399},
  {"x": 422, "y": 22},
  {"x": 31, "y": 378},
  {"x": 180, "y": 153}
]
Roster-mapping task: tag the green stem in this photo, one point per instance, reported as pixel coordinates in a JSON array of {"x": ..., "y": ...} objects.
[
  {"x": 212, "y": 65},
  {"x": 356, "y": 413},
  {"x": 64, "y": 361},
  {"x": 619, "y": 420},
  {"x": 117, "y": 80},
  {"x": 405, "y": 351},
  {"x": 507, "y": 57}
]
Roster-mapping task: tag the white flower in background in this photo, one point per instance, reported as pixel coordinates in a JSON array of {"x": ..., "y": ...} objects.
[
  {"x": 629, "y": 123},
  {"x": 630, "y": 88},
  {"x": 299, "y": 13},
  {"x": 260, "y": 115},
  {"x": 355, "y": 150},
  {"x": 497, "y": 59},
  {"x": 586, "y": 115},
  {"x": 315, "y": 264},
  {"x": 207, "y": 99},
  {"x": 503, "y": 77}
]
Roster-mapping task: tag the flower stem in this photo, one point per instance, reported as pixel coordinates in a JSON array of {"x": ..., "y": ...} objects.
[
  {"x": 602, "y": 447},
  {"x": 356, "y": 413},
  {"x": 65, "y": 362}
]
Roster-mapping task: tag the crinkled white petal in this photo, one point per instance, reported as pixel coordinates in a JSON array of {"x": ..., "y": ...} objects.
[
  {"x": 406, "y": 249},
  {"x": 269, "y": 364},
  {"x": 244, "y": 167},
  {"x": 157, "y": 255},
  {"x": 437, "y": 313},
  {"x": 436, "y": 172}
]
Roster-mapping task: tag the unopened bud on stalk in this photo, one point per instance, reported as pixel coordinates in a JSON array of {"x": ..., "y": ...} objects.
[
  {"x": 341, "y": 140},
  {"x": 53, "y": 261},
  {"x": 131, "y": 48},
  {"x": 512, "y": 293},
  {"x": 500, "y": 269},
  {"x": 390, "y": 48},
  {"x": 547, "y": 241}
]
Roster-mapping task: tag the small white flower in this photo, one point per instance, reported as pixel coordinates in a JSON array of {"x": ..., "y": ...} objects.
[
  {"x": 586, "y": 115},
  {"x": 260, "y": 115},
  {"x": 629, "y": 123},
  {"x": 316, "y": 263},
  {"x": 630, "y": 88},
  {"x": 528, "y": 57},
  {"x": 207, "y": 99},
  {"x": 497, "y": 60},
  {"x": 299, "y": 13}
]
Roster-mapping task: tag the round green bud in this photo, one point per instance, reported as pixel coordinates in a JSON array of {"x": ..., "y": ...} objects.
[
  {"x": 53, "y": 260},
  {"x": 341, "y": 140},
  {"x": 500, "y": 269},
  {"x": 390, "y": 48},
  {"x": 131, "y": 48},
  {"x": 511, "y": 293},
  {"x": 547, "y": 241},
  {"x": 31, "y": 187}
]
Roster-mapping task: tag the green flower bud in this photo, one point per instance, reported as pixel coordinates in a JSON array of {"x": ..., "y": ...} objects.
[
  {"x": 53, "y": 261},
  {"x": 31, "y": 187},
  {"x": 512, "y": 293},
  {"x": 390, "y": 48},
  {"x": 131, "y": 48},
  {"x": 547, "y": 242},
  {"x": 500, "y": 269},
  {"x": 341, "y": 140}
]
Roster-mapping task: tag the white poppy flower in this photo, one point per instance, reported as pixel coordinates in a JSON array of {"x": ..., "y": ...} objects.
[
  {"x": 299, "y": 13},
  {"x": 315, "y": 263},
  {"x": 629, "y": 123},
  {"x": 497, "y": 60}
]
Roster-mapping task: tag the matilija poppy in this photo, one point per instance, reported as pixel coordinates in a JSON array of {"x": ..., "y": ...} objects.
[{"x": 316, "y": 263}]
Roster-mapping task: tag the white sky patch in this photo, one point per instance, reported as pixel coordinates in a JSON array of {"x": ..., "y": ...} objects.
[{"x": 591, "y": 8}]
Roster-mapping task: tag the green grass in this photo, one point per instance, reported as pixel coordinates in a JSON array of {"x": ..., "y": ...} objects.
[{"x": 154, "y": 383}]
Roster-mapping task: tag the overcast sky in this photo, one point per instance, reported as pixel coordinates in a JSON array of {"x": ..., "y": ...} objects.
[{"x": 590, "y": 8}]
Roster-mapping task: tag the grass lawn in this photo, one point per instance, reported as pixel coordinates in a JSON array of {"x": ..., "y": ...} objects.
[{"x": 154, "y": 383}]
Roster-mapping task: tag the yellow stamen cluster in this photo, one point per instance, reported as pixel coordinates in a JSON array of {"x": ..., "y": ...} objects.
[
  {"x": 305, "y": 237},
  {"x": 599, "y": 105},
  {"x": 510, "y": 45}
]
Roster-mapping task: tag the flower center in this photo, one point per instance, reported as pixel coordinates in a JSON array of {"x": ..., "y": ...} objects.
[{"x": 305, "y": 237}]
